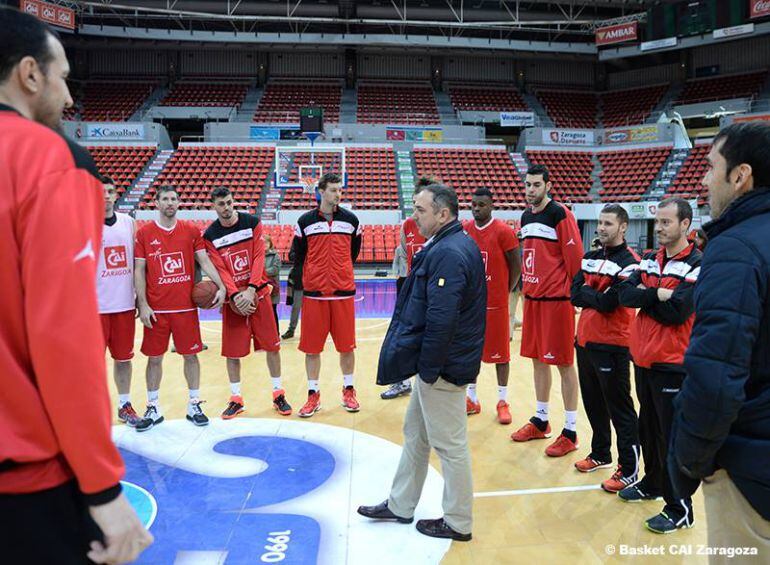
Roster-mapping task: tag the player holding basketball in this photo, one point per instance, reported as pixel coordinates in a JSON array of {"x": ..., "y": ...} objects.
[
  {"x": 499, "y": 249},
  {"x": 234, "y": 243},
  {"x": 328, "y": 240},
  {"x": 602, "y": 350},
  {"x": 411, "y": 242},
  {"x": 552, "y": 253},
  {"x": 117, "y": 299},
  {"x": 165, "y": 253}
]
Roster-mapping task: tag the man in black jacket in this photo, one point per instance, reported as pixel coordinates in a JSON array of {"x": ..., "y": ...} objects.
[
  {"x": 721, "y": 430},
  {"x": 437, "y": 333},
  {"x": 294, "y": 297}
]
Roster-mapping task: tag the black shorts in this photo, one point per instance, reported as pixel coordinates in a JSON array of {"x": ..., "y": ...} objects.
[{"x": 49, "y": 526}]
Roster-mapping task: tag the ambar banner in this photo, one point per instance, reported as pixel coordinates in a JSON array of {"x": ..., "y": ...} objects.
[
  {"x": 616, "y": 34},
  {"x": 49, "y": 13}
]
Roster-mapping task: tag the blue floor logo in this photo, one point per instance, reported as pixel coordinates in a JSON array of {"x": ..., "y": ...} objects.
[{"x": 269, "y": 491}]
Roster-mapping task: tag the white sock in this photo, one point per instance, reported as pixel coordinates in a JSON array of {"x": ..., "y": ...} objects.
[
  {"x": 471, "y": 392},
  {"x": 312, "y": 385},
  {"x": 277, "y": 383},
  {"x": 235, "y": 388},
  {"x": 195, "y": 394},
  {"x": 502, "y": 393},
  {"x": 347, "y": 380},
  {"x": 570, "y": 422},
  {"x": 124, "y": 399},
  {"x": 542, "y": 411},
  {"x": 152, "y": 396}
]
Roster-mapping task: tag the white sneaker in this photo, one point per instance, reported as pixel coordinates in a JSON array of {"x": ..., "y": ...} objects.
[
  {"x": 195, "y": 413},
  {"x": 152, "y": 417}
]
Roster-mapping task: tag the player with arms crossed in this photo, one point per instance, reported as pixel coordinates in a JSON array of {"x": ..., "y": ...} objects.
[
  {"x": 165, "y": 254},
  {"x": 235, "y": 245},
  {"x": 552, "y": 253},
  {"x": 499, "y": 249}
]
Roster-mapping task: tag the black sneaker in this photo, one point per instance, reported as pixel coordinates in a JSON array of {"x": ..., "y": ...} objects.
[
  {"x": 280, "y": 404},
  {"x": 234, "y": 407},
  {"x": 152, "y": 417},
  {"x": 634, "y": 493},
  {"x": 663, "y": 524},
  {"x": 288, "y": 335},
  {"x": 195, "y": 413}
]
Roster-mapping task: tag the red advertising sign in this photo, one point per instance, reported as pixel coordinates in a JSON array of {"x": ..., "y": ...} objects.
[
  {"x": 759, "y": 8},
  {"x": 617, "y": 33},
  {"x": 54, "y": 15}
]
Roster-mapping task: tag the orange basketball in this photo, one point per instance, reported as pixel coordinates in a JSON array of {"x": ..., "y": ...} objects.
[{"x": 203, "y": 294}]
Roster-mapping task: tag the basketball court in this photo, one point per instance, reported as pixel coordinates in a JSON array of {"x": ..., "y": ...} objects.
[{"x": 220, "y": 491}]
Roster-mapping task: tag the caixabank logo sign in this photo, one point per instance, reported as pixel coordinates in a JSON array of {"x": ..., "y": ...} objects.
[{"x": 269, "y": 491}]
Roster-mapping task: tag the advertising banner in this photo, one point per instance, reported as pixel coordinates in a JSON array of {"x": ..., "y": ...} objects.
[
  {"x": 759, "y": 8},
  {"x": 517, "y": 119},
  {"x": 568, "y": 137},
  {"x": 616, "y": 34},
  {"x": 49, "y": 13},
  {"x": 264, "y": 134},
  {"x": 631, "y": 135},
  {"x": 126, "y": 132}
]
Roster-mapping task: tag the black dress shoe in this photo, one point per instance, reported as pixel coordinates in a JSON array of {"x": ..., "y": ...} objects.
[
  {"x": 440, "y": 529},
  {"x": 382, "y": 512}
]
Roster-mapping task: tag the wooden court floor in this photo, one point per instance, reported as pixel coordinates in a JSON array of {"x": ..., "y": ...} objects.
[{"x": 520, "y": 513}]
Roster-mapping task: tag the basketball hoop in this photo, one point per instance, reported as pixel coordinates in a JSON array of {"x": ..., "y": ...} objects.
[{"x": 309, "y": 176}]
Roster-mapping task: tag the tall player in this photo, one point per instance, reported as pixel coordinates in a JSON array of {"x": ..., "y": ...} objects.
[
  {"x": 602, "y": 350},
  {"x": 328, "y": 241},
  {"x": 411, "y": 242},
  {"x": 552, "y": 253},
  {"x": 164, "y": 256},
  {"x": 499, "y": 249},
  {"x": 235, "y": 245},
  {"x": 117, "y": 299}
]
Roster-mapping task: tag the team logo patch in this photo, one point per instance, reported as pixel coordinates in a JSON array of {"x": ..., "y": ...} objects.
[
  {"x": 529, "y": 261},
  {"x": 239, "y": 261},
  {"x": 172, "y": 264},
  {"x": 115, "y": 257}
]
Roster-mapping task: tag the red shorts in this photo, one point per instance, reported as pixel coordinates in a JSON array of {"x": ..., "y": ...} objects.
[
  {"x": 497, "y": 336},
  {"x": 548, "y": 331},
  {"x": 320, "y": 317},
  {"x": 119, "y": 330},
  {"x": 182, "y": 325},
  {"x": 239, "y": 331}
]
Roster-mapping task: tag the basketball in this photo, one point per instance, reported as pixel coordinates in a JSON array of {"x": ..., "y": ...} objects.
[{"x": 203, "y": 294}]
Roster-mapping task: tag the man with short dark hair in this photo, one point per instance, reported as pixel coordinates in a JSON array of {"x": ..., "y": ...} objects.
[
  {"x": 662, "y": 289},
  {"x": 236, "y": 248},
  {"x": 60, "y": 494},
  {"x": 602, "y": 350},
  {"x": 328, "y": 240},
  {"x": 165, "y": 254},
  {"x": 721, "y": 429},
  {"x": 551, "y": 254},
  {"x": 410, "y": 244},
  {"x": 502, "y": 265},
  {"x": 436, "y": 333}
]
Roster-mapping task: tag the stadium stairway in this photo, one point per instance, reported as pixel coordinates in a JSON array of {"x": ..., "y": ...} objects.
[
  {"x": 156, "y": 96},
  {"x": 134, "y": 195},
  {"x": 406, "y": 179},
  {"x": 534, "y": 104},
  {"x": 665, "y": 104},
  {"x": 271, "y": 198},
  {"x": 445, "y": 109},
  {"x": 250, "y": 103},
  {"x": 667, "y": 174},
  {"x": 521, "y": 164},
  {"x": 348, "y": 106},
  {"x": 597, "y": 186}
]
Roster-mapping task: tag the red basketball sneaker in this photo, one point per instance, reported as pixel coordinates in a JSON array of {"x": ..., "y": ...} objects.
[
  {"x": 234, "y": 407},
  {"x": 503, "y": 413},
  {"x": 312, "y": 405},
  {"x": 349, "y": 401},
  {"x": 472, "y": 407},
  {"x": 280, "y": 404},
  {"x": 561, "y": 447},
  {"x": 530, "y": 431},
  {"x": 589, "y": 465}
]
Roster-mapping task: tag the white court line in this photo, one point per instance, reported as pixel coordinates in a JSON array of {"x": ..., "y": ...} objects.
[{"x": 527, "y": 491}]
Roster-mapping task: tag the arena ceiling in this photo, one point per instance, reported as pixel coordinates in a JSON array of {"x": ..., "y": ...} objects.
[{"x": 566, "y": 20}]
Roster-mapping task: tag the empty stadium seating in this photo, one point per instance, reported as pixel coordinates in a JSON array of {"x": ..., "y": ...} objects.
[
  {"x": 122, "y": 163},
  {"x": 371, "y": 179},
  {"x": 627, "y": 175},
  {"x": 487, "y": 99},
  {"x": 282, "y": 101},
  {"x": 688, "y": 181},
  {"x": 196, "y": 169},
  {"x": 465, "y": 170},
  {"x": 205, "y": 94},
  {"x": 570, "y": 173},
  {"x": 568, "y": 108},
  {"x": 722, "y": 88},
  {"x": 109, "y": 101},
  {"x": 385, "y": 104},
  {"x": 630, "y": 107}
]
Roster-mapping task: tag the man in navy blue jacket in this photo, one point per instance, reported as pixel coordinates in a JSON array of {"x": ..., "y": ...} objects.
[
  {"x": 721, "y": 431},
  {"x": 437, "y": 333}
]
